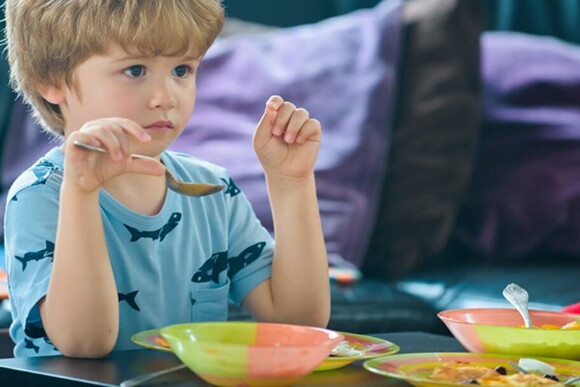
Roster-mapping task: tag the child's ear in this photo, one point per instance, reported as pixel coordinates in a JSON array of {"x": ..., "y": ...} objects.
[{"x": 53, "y": 94}]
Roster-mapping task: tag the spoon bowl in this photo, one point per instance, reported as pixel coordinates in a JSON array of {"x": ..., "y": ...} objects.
[{"x": 177, "y": 185}]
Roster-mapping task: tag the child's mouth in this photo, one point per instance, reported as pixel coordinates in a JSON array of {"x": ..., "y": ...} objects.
[{"x": 160, "y": 125}]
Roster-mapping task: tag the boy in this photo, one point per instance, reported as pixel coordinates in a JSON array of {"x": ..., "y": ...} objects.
[{"x": 97, "y": 248}]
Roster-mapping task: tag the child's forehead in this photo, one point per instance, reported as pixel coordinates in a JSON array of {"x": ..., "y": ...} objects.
[{"x": 116, "y": 52}]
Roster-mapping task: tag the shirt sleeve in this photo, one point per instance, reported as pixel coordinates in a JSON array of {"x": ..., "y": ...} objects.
[
  {"x": 251, "y": 247},
  {"x": 30, "y": 232}
]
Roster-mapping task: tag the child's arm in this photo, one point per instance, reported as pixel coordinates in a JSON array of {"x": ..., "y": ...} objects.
[
  {"x": 80, "y": 310},
  {"x": 287, "y": 142}
]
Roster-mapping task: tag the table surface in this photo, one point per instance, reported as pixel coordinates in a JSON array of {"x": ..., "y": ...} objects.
[{"x": 121, "y": 365}]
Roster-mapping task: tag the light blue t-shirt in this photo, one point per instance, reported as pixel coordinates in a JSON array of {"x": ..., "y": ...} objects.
[{"x": 178, "y": 266}]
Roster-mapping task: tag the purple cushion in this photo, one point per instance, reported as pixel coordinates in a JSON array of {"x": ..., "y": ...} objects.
[
  {"x": 24, "y": 143},
  {"x": 343, "y": 71},
  {"x": 525, "y": 192}
]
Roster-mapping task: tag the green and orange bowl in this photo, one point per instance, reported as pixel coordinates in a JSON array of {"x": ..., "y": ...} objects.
[
  {"x": 496, "y": 330},
  {"x": 250, "y": 353}
]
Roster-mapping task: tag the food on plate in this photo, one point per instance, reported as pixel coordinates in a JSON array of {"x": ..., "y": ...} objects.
[
  {"x": 540, "y": 374},
  {"x": 518, "y": 380},
  {"x": 460, "y": 373},
  {"x": 162, "y": 342},
  {"x": 345, "y": 349}
]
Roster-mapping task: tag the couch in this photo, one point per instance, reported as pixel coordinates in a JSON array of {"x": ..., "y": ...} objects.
[{"x": 448, "y": 158}]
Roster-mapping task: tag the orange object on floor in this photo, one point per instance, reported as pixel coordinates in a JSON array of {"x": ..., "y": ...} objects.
[{"x": 3, "y": 285}]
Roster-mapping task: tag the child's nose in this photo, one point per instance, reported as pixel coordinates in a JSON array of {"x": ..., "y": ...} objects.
[{"x": 162, "y": 97}]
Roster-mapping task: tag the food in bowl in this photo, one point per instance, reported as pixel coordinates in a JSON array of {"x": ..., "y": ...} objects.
[
  {"x": 344, "y": 349},
  {"x": 162, "y": 342},
  {"x": 497, "y": 330},
  {"x": 575, "y": 325}
]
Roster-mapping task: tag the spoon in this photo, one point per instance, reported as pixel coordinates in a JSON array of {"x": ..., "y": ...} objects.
[
  {"x": 572, "y": 381},
  {"x": 517, "y": 367},
  {"x": 518, "y": 297},
  {"x": 179, "y": 186},
  {"x": 524, "y": 371}
]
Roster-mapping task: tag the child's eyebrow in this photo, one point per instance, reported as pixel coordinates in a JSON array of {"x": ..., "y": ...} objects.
[{"x": 189, "y": 58}]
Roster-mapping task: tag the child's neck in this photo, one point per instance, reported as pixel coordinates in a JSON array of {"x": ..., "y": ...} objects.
[{"x": 140, "y": 193}]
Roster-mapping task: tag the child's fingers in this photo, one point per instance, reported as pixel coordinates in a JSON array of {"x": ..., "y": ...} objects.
[
  {"x": 122, "y": 128},
  {"x": 297, "y": 119},
  {"x": 134, "y": 129},
  {"x": 146, "y": 167},
  {"x": 274, "y": 103},
  {"x": 283, "y": 117},
  {"x": 112, "y": 138},
  {"x": 114, "y": 135},
  {"x": 264, "y": 128},
  {"x": 311, "y": 130}
]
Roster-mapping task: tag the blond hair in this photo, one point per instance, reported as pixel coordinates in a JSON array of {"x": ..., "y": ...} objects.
[{"x": 47, "y": 39}]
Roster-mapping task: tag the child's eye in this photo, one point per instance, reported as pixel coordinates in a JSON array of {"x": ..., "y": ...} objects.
[
  {"x": 135, "y": 71},
  {"x": 181, "y": 71}
]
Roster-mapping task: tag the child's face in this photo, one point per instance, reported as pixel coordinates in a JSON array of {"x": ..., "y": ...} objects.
[{"x": 158, "y": 93}]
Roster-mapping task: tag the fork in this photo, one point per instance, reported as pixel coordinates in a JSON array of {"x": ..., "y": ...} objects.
[
  {"x": 179, "y": 186},
  {"x": 137, "y": 380}
]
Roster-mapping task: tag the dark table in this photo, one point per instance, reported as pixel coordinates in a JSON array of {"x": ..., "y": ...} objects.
[{"x": 121, "y": 365}]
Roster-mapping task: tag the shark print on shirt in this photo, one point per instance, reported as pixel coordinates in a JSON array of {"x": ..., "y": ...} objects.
[
  {"x": 219, "y": 262},
  {"x": 231, "y": 187},
  {"x": 48, "y": 252},
  {"x": 156, "y": 234},
  {"x": 34, "y": 330},
  {"x": 30, "y": 345},
  {"x": 42, "y": 171},
  {"x": 249, "y": 255},
  {"x": 212, "y": 268},
  {"x": 47, "y": 341},
  {"x": 129, "y": 298}
]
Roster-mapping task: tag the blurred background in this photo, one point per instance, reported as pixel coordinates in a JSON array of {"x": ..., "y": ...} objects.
[{"x": 558, "y": 18}]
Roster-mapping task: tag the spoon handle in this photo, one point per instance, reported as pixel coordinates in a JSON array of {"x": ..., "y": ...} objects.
[
  {"x": 103, "y": 150},
  {"x": 518, "y": 297},
  {"x": 146, "y": 377},
  {"x": 572, "y": 381}
]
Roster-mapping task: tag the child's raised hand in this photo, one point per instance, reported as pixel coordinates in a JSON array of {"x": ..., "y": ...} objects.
[
  {"x": 90, "y": 170},
  {"x": 287, "y": 139}
]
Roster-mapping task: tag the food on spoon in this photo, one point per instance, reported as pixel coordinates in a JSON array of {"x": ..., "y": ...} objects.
[{"x": 345, "y": 349}]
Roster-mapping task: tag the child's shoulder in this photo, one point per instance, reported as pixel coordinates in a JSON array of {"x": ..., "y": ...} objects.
[{"x": 45, "y": 172}]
